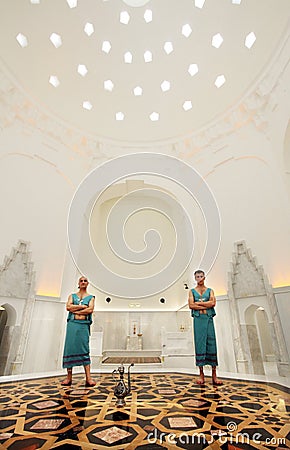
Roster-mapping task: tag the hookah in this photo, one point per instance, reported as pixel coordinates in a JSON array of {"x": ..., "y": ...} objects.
[{"x": 121, "y": 390}]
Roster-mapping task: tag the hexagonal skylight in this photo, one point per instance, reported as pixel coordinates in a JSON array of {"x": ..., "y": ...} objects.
[
  {"x": 72, "y": 3},
  {"x": 82, "y": 70},
  {"x": 165, "y": 86},
  {"x": 138, "y": 91},
  {"x": 186, "y": 30},
  {"x": 187, "y": 105},
  {"x": 56, "y": 40},
  {"x": 87, "y": 105},
  {"x": 22, "y": 40},
  {"x": 54, "y": 81},
  {"x": 168, "y": 47},
  {"x": 147, "y": 56},
  {"x": 124, "y": 17},
  {"x": 193, "y": 69},
  {"x": 120, "y": 116},
  {"x": 250, "y": 39},
  {"x": 217, "y": 40},
  {"x": 89, "y": 28},
  {"x": 128, "y": 57},
  {"x": 148, "y": 16},
  {"x": 220, "y": 80},
  {"x": 108, "y": 85},
  {"x": 106, "y": 46},
  {"x": 199, "y": 3},
  {"x": 154, "y": 116}
]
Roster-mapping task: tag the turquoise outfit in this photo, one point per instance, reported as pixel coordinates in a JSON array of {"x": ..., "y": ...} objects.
[
  {"x": 76, "y": 348},
  {"x": 204, "y": 332}
]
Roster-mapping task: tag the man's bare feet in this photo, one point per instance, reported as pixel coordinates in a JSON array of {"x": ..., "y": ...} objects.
[
  {"x": 200, "y": 379},
  {"x": 216, "y": 382},
  {"x": 66, "y": 382},
  {"x": 90, "y": 383},
  {"x": 201, "y": 376}
]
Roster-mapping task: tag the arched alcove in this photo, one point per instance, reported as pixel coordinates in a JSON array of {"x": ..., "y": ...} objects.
[
  {"x": 3, "y": 321},
  {"x": 257, "y": 330},
  {"x": 8, "y": 317},
  {"x": 259, "y": 338},
  {"x": 17, "y": 295}
]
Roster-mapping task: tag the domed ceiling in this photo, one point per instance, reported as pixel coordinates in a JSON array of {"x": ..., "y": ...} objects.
[{"x": 139, "y": 71}]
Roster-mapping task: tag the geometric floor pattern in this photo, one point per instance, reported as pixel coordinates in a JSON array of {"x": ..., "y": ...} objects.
[{"x": 163, "y": 411}]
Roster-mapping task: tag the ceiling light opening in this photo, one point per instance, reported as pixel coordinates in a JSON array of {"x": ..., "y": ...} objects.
[
  {"x": 124, "y": 17},
  {"x": 87, "y": 105},
  {"x": 35, "y": 2},
  {"x": 186, "y": 30},
  {"x": 120, "y": 116},
  {"x": 128, "y": 57},
  {"x": 54, "y": 81},
  {"x": 193, "y": 69},
  {"x": 147, "y": 56},
  {"x": 22, "y": 40},
  {"x": 236, "y": 2},
  {"x": 250, "y": 39},
  {"x": 168, "y": 47},
  {"x": 56, "y": 40},
  {"x": 138, "y": 91},
  {"x": 220, "y": 80},
  {"x": 135, "y": 3},
  {"x": 108, "y": 85},
  {"x": 187, "y": 105},
  {"x": 217, "y": 40},
  {"x": 82, "y": 70},
  {"x": 89, "y": 28},
  {"x": 154, "y": 116},
  {"x": 165, "y": 86},
  {"x": 72, "y": 3},
  {"x": 106, "y": 46},
  {"x": 148, "y": 16},
  {"x": 199, "y": 3}
]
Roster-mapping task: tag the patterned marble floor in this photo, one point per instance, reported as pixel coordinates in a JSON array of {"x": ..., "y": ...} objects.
[{"x": 163, "y": 411}]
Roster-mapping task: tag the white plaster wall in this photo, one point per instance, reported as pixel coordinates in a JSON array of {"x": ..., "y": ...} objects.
[
  {"x": 115, "y": 326},
  {"x": 45, "y": 340},
  {"x": 282, "y": 296},
  {"x": 37, "y": 181},
  {"x": 224, "y": 336},
  {"x": 253, "y": 206}
]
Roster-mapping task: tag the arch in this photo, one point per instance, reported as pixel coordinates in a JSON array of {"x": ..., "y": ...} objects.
[
  {"x": 259, "y": 342},
  {"x": 3, "y": 321},
  {"x": 8, "y": 318},
  {"x": 11, "y": 314},
  {"x": 259, "y": 337}
]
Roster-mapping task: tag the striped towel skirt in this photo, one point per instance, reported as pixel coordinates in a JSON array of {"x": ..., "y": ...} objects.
[{"x": 76, "y": 347}]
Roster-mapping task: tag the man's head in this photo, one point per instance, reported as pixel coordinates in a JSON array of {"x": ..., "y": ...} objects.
[
  {"x": 83, "y": 282},
  {"x": 199, "y": 276}
]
